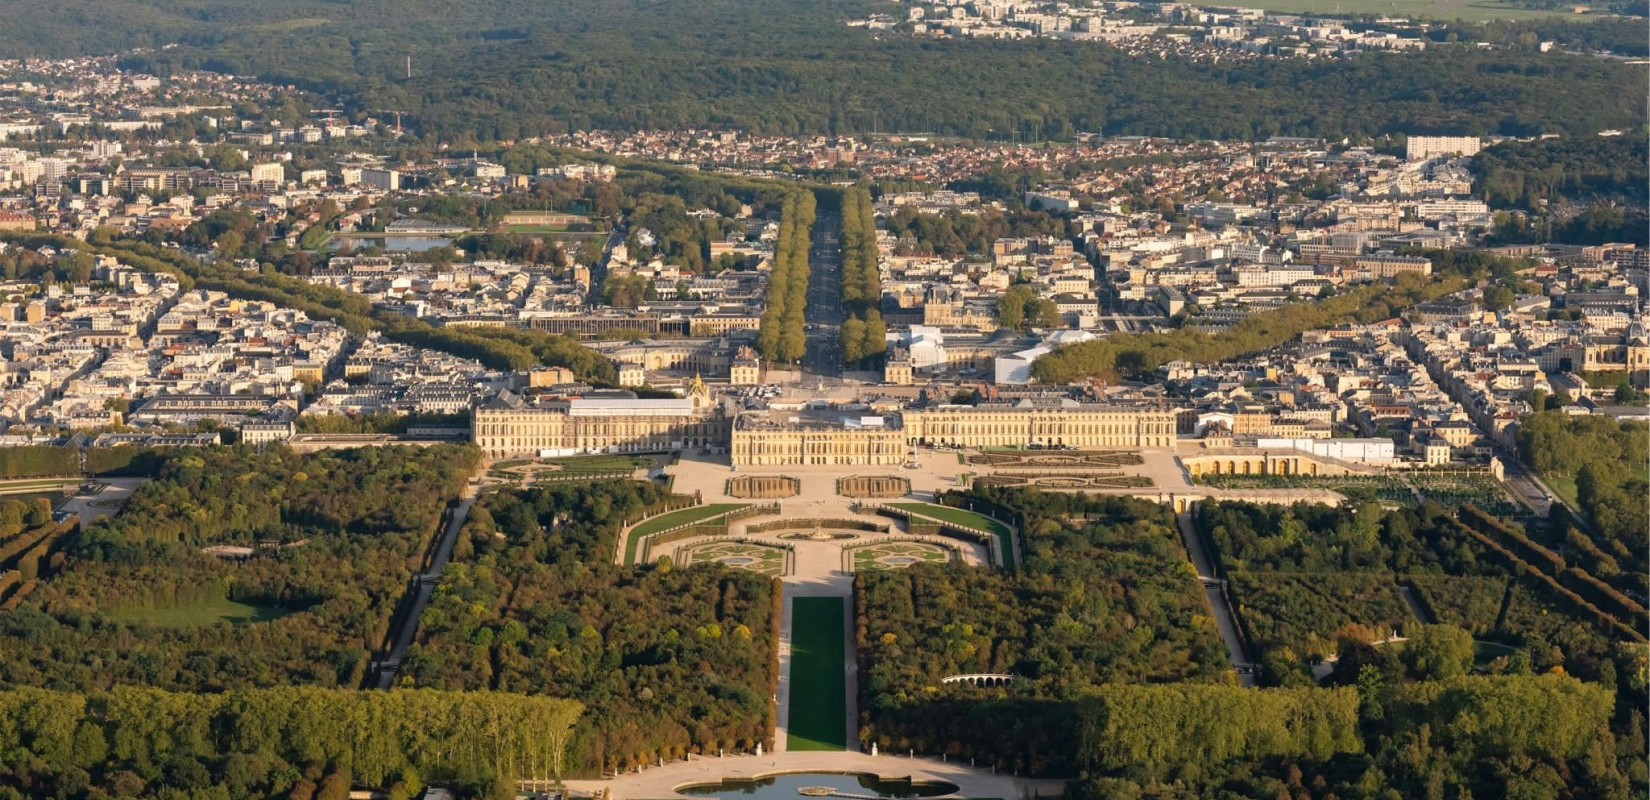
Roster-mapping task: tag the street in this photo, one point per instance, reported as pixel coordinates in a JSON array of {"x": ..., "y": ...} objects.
[{"x": 825, "y": 315}]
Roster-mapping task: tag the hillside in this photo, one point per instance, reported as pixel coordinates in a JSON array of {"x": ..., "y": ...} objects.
[{"x": 510, "y": 68}]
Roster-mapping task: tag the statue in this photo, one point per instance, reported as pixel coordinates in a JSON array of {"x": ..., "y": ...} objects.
[
  {"x": 759, "y": 748},
  {"x": 873, "y": 749}
]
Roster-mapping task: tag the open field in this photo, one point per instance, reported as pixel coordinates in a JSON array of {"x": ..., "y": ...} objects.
[
  {"x": 1469, "y": 10},
  {"x": 201, "y": 614},
  {"x": 818, "y": 691}
]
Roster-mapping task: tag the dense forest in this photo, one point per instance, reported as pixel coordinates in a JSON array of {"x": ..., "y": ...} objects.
[
  {"x": 732, "y": 64},
  {"x": 1532, "y": 736},
  {"x": 329, "y": 542},
  {"x": 279, "y": 742},
  {"x": 959, "y": 233},
  {"x": 1311, "y": 582},
  {"x": 1105, "y": 599},
  {"x": 667, "y": 661},
  {"x": 1094, "y": 696},
  {"x": 1580, "y": 190}
]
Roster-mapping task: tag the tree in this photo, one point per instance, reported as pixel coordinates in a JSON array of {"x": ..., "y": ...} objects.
[
  {"x": 627, "y": 291},
  {"x": 852, "y": 335},
  {"x": 876, "y": 334},
  {"x": 1437, "y": 652},
  {"x": 334, "y": 787},
  {"x": 1498, "y": 298},
  {"x": 1011, "y": 308},
  {"x": 230, "y": 244}
]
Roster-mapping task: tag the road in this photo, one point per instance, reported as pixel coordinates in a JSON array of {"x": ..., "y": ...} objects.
[
  {"x": 1215, "y": 591},
  {"x": 825, "y": 314},
  {"x": 598, "y": 270},
  {"x": 1525, "y": 486},
  {"x": 421, "y": 588}
]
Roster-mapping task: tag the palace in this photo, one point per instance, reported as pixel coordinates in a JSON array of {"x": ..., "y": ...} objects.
[
  {"x": 510, "y": 425},
  {"x": 1047, "y": 423},
  {"x": 757, "y": 441},
  {"x": 760, "y": 441}
]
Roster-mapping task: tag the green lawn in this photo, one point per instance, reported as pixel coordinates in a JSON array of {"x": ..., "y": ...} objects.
[
  {"x": 819, "y": 702},
  {"x": 201, "y": 614},
  {"x": 37, "y": 484},
  {"x": 596, "y": 463},
  {"x": 967, "y": 519},
  {"x": 1564, "y": 486},
  {"x": 671, "y": 520},
  {"x": 1469, "y": 10}
]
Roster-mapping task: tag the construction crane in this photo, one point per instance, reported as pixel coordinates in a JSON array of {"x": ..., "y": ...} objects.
[{"x": 397, "y": 117}]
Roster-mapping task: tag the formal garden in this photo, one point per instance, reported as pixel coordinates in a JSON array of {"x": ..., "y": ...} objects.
[
  {"x": 921, "y": 516},
  {"x": 762, "y": 559},
  {"x": 528, "y": 471},
  {"x": 1088, "y": 459},
  {"x": 1104, "y": 480},
  {"x": 894, "y": 555}
]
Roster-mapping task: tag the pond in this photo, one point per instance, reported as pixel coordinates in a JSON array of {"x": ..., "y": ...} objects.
[{"x": 789, "y": 786}]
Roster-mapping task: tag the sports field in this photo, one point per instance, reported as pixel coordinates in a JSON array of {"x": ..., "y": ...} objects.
[{"x": 819, "y": 703}]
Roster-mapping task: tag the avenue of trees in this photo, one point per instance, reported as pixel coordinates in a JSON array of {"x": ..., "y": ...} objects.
[
  {"x": 331, "y": 540},
  {"x": 38, "y": 461},
  {"x": 783, "y": 333},
  {"x": 1131, "y": 355},
  {"x": 863, "y": 333},
  {"x": 667, "y": 661},
  {"x": 279, "y": 742}
]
